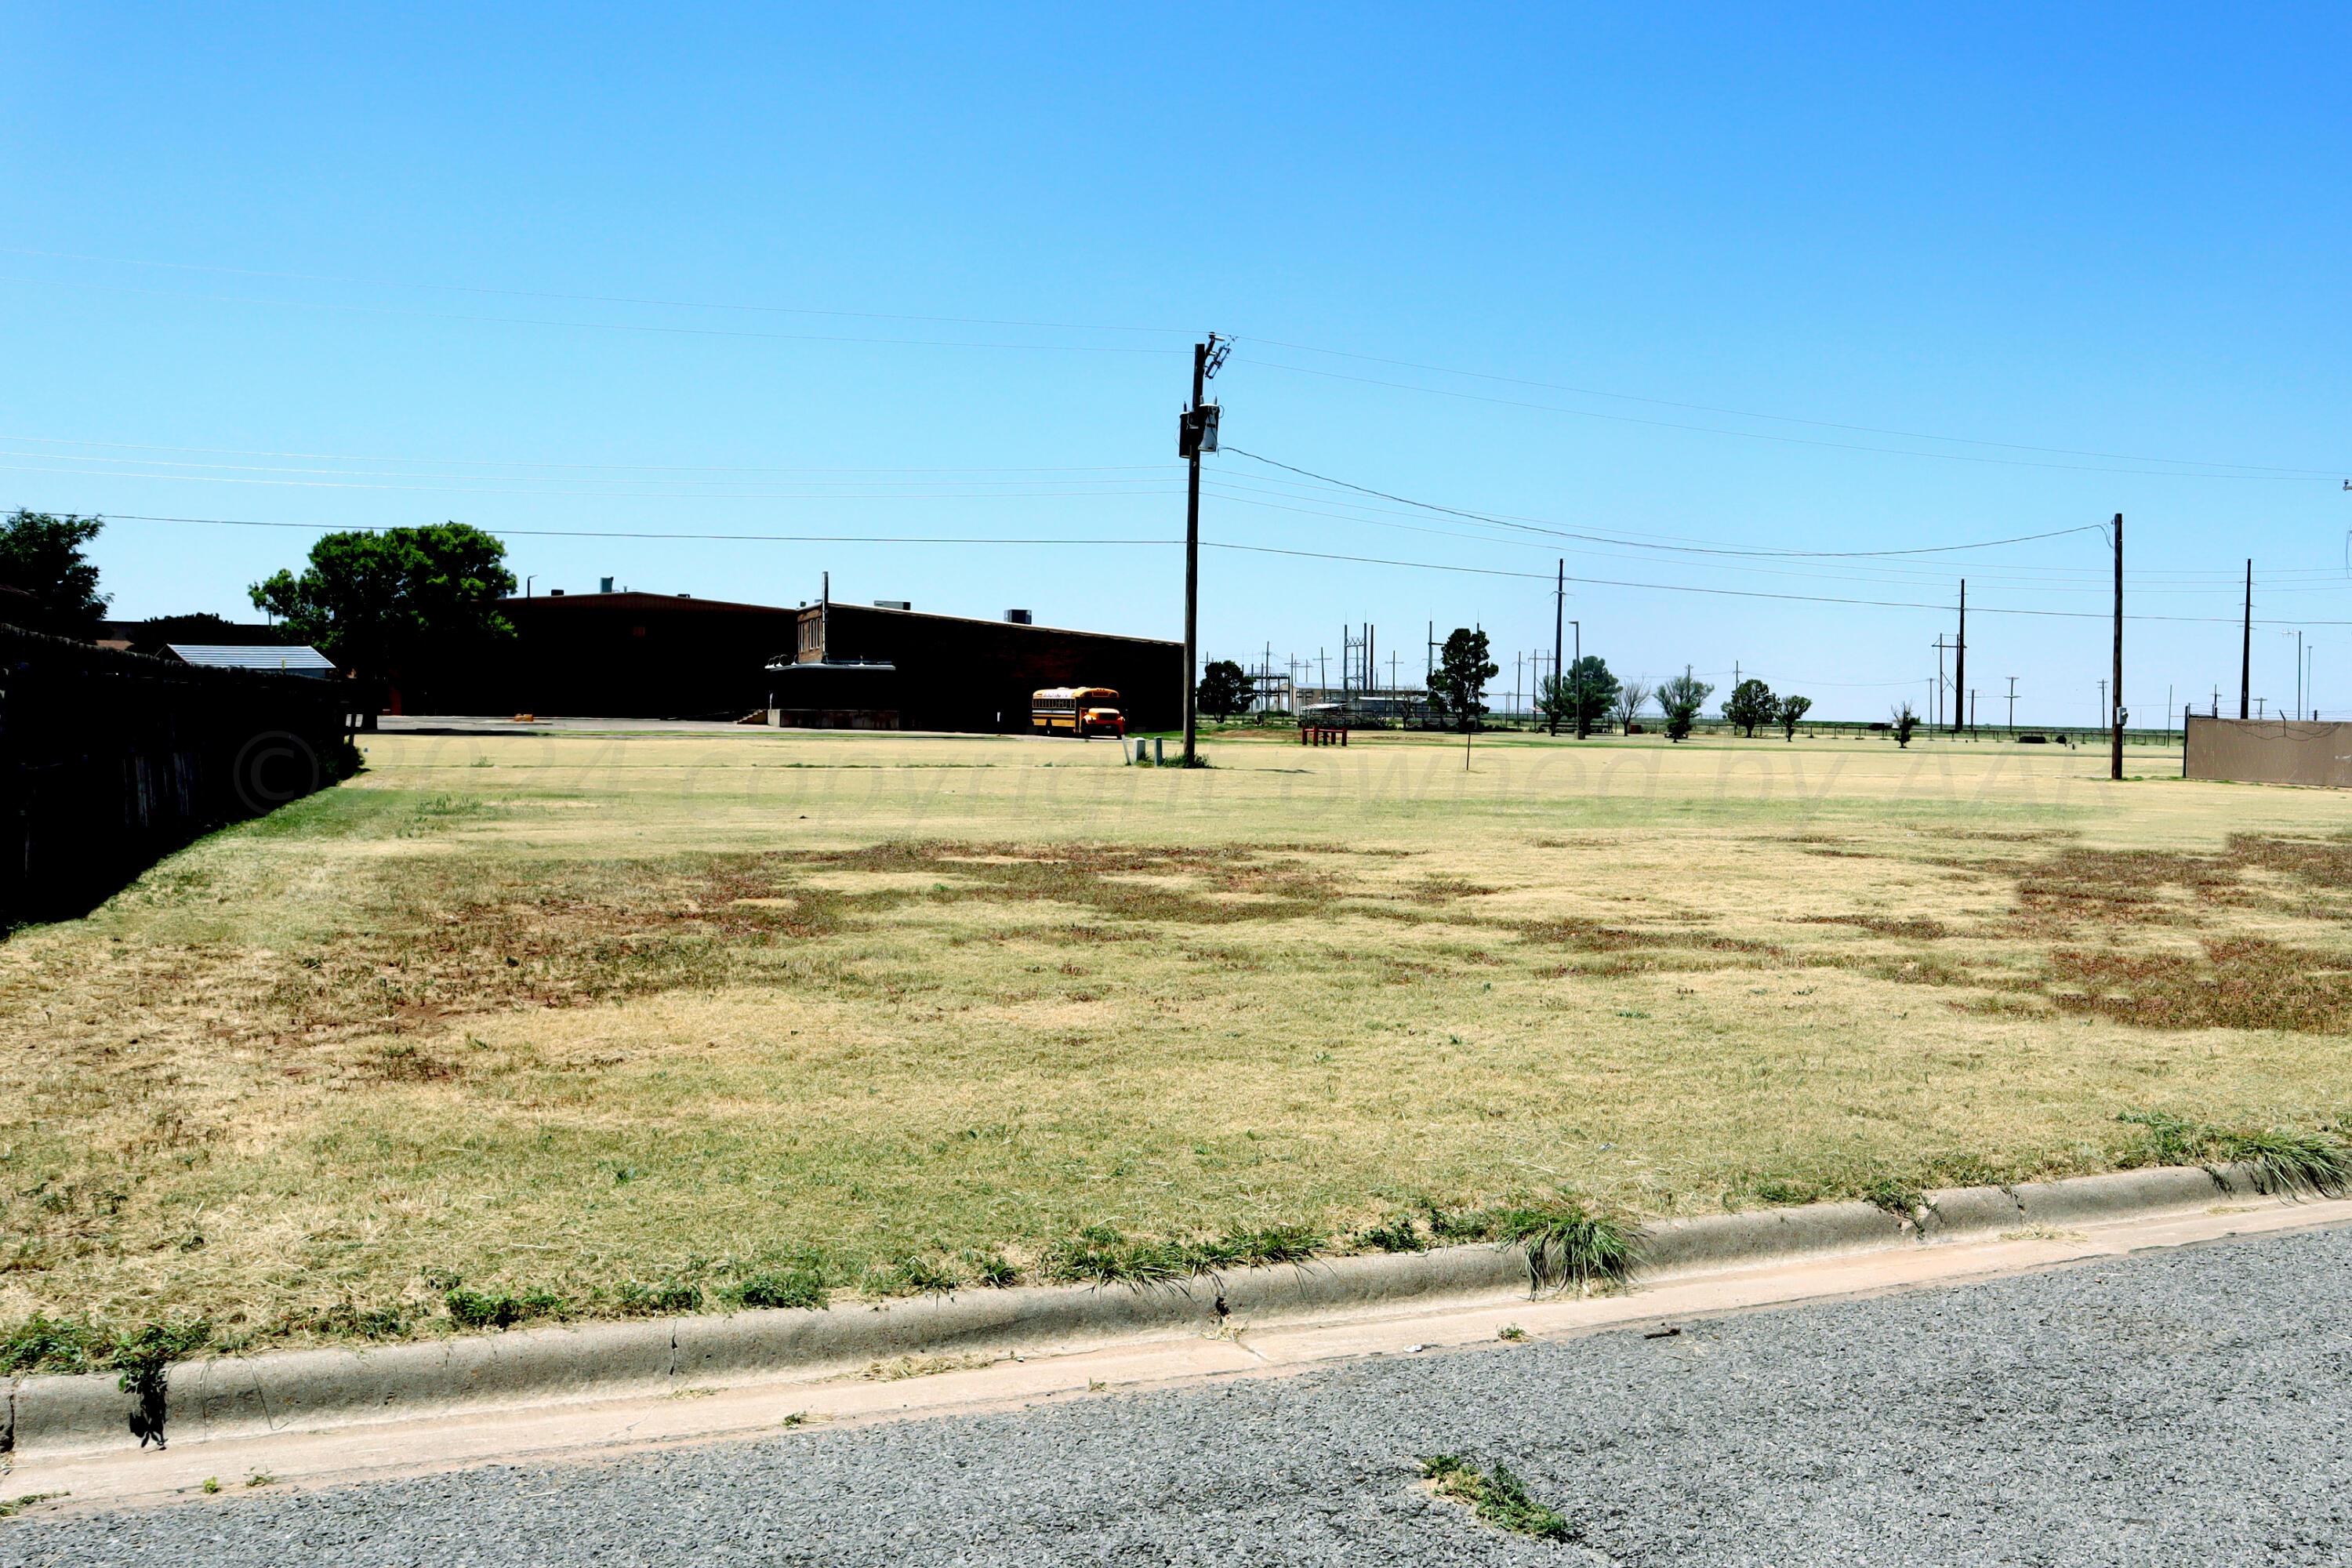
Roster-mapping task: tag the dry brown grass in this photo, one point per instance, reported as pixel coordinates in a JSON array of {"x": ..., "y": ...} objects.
[{"x": 608, "y": 1026}]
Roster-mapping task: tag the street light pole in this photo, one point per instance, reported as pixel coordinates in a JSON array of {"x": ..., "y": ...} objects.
[{"x": 1583, "y": 729}]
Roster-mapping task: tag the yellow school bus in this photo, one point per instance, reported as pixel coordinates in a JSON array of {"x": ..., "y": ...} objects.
[{"x": 1080, "y": 710}]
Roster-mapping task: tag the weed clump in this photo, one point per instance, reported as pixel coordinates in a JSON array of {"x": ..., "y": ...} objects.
[
  {"x": 1898, "y": 1197},
  {"x": 803, "y": 1287},
  {"x": 42, "y": 1344},
  {"x": 992, "y": 1269},
  {"x": 911, "y": 1276},
  {"x": 1500, "y": 1497},
  {"x": 1397, "y": 1233},
  {"x": 2284, "y": 1164},
  {"x": 499, "y": 1309},
  {"x": 1565, "y": 1243},
  {"x": 1101, "y": 1255},
  {"x": 664, "y": 1300}
]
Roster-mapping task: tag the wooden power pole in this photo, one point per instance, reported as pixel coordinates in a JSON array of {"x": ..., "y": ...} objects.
[
  {"x": 1961, "y": 673},
  {"x": 1196, "y": 433},
  {"x": 2246, "y": 652},
  {"x": 2115, "y": 751},
  {"x": 1192, "y": 551}
]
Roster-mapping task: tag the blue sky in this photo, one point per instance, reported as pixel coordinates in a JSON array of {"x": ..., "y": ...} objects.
[{"x": 934, "y": 273}]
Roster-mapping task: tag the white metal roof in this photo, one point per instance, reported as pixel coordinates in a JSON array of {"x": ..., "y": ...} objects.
[{"x": 294, "y": 660}]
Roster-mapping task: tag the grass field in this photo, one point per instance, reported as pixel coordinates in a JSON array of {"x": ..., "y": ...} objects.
[{"x": 550, "y": 1025}]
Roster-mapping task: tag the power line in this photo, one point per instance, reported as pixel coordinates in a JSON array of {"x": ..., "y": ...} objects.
[
  {"x": 589, "y": 494},
  {"x": 547, "y": 463},
  {"x": 1688, "y": 549},
  {"x": 622, "y": 533},
  {"x": 2020, "y": 574},
  {"x": 1736, "y": 593},
  {"x": 1217, "y": 544},
  {"x": 1889, "y": 572}
]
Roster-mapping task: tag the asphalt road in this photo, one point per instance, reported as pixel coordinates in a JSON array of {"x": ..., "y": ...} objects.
[{"x": 2190, "y": 1407}]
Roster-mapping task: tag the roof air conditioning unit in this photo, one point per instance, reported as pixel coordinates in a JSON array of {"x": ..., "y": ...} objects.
[{"x": 1018, "y": 617}]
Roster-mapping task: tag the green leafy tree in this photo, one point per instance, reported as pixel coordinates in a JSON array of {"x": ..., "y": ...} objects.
[
  {"x": 1750, "y": 707},
  {"x": 56, "y": 587},
  {"x": 1459, "y": 685},
  {"x": 1582, "y": 696},
  {"x": 1792, "y": 713},
  {"x": 1224, "y": 690},
  {"x": 413, "y": 605},
  {"x": 1905, "y": 722},
  {"x": 1680, "y": 700}
]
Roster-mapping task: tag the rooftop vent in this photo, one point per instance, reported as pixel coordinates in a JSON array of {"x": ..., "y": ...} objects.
[
  {"x": 604, "y": 585},
  {"x": 555, "y": 593},
  {"x": 1018, "y": 617},
  {"x": 894, "y": 604}
]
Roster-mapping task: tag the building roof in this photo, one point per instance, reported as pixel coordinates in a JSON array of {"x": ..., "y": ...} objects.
[
  {"x": 635, "y": 599},
  {"x": 841, "y": 605},
  {"x": 296, "y": 659}
]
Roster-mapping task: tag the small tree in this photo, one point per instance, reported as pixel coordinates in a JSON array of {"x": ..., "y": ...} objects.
[
  {"x": 1631, "y": 698},
  {"x": 417, "y": 602},
  {"x": 1458, "y": 686},
  {"x": 1555, "y": 700},
  {"x": 1581, "y": 697},
  {"x": 1905, "y": 722},
  {"x": 1750, "y": 707},
  {"x": 41, "y": 558},
  {"x": 1224, "y": 690},
  {"x": 1680, "y": 700},
  {"x": 1792, "y": 712}
]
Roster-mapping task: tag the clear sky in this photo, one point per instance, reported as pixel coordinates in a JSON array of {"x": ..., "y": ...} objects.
[{"x": 934, "y": 272}]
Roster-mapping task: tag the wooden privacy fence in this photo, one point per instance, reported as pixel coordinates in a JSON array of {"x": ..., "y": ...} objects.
[
  {"x": 108, "y": 759},
  {"x": 2268, "y": 751}
]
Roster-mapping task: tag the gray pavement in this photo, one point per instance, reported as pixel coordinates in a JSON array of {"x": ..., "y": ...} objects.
[{"x": 2190, "y": 1407}]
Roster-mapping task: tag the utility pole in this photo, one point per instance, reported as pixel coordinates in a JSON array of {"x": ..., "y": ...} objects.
[
  {"x": 1960, "y": 670},
  {"x": 2115, "y": 752},
  {"x": 2246, "y": 652},
  {"x": 1560, "y": 608},
  {"x": 1972, "y": 714},
  {"x": 1198, "y": 430},
  {"x": 2012, "y": 705}
]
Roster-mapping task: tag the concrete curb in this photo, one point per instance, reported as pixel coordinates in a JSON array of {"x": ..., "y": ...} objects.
[{"x": 315, "y": 1388}]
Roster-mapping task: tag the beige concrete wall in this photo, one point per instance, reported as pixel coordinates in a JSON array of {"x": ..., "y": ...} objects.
[{"x": 2270, "y": 751}]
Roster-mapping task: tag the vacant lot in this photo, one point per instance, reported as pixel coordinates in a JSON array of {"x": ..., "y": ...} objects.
[{"x": 556, "y": 1024}]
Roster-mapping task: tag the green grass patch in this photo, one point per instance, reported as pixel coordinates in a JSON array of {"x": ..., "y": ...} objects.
[{"x": 1497, "y": 1496}]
